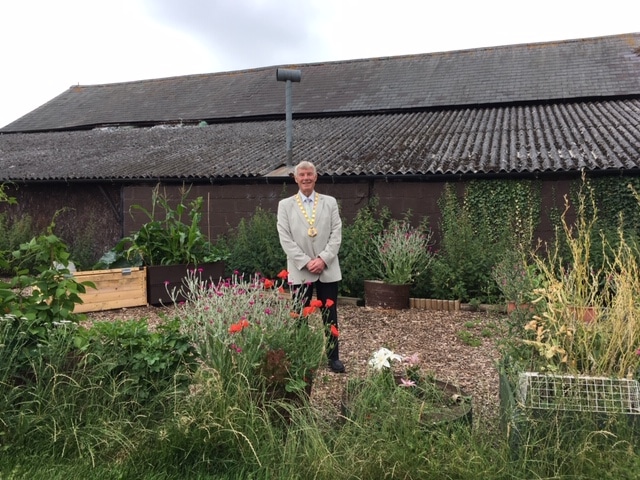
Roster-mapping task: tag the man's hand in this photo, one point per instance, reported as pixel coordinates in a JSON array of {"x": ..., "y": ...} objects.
[{"x": 316, "y": 265}]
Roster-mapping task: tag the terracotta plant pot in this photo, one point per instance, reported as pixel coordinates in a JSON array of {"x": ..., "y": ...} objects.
[
  {"x": 519, "y": 307},
  {"x": 586, "y": 314}
]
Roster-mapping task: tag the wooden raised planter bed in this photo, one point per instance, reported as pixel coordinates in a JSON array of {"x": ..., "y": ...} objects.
[{"x": 115, "y": 288}]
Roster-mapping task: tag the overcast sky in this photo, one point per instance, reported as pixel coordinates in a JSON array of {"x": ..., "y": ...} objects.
[{"x": 49, "y": 45}]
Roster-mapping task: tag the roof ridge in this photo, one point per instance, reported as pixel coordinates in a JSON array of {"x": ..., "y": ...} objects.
[{"x": 356, "y": 60}]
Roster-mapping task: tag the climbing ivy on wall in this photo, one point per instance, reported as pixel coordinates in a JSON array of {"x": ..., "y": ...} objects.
[
  {"x": 480, "y": 222},
  {"x": 476, "y": 229},
  {"x": 500, "y": 205},
  {"x": 613, "y": 202}
]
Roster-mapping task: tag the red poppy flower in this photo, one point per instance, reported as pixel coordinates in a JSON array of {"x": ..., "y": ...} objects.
[
  {"x": 283, "y": 274},
  {"x": 294, "y": 315},
  {"x": 238, "y": 326},
  {"x": 235, "y": 328},
  {"x": 268, "y": 283},
  {"x": 316, "y": 303},
  {"x": 306, "y": 311},
  {"x": 281, "y": 289},
  {"x": 329, "y": 303},
  {"x": 334, "y": 331}
]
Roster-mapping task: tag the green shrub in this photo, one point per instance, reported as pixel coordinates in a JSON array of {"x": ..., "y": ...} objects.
[
  {"x": 254, "y": 246},
  {"x": 33, "y": 303},
  {"x": 462, "y": 267},
  {"x": 12, "y": 234},
  {"x": 144, "y": 362},
  {"x": 47, "y": 292},
  {"x": 492, "y": 217},
  {"x": 356, "y": 249}
]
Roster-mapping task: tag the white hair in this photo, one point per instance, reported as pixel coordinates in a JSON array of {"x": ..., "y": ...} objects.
[{"x": 304, "y": 165}]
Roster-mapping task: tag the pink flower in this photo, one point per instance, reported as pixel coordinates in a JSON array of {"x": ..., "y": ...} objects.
[
  {"x": 407, "y": 383},
  {"x": 412, "y": 360}
]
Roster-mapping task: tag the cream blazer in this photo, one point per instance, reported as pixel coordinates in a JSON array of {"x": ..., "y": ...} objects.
[{"x": 300, "y": 247}]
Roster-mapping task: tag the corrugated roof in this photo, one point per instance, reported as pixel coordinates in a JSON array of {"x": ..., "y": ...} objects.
[
  {"x": 563, "y": 136},
  {"x": 574, "y": 69}
]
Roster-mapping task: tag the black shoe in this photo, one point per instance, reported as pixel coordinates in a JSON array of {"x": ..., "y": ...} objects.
[{"x": 336, "y": 366}]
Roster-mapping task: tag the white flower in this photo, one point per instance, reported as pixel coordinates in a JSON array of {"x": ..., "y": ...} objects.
[{"x": 382, "y": 359}]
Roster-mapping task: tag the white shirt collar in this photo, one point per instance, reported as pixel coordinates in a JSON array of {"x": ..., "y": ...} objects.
[{"x": 310, "y": 197}]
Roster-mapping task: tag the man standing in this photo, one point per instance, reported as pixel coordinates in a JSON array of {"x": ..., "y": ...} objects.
[{"x": 310, "y": 231}]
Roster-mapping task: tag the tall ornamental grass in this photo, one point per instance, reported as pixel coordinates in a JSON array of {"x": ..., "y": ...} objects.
[{"x": 588, "y": 319}]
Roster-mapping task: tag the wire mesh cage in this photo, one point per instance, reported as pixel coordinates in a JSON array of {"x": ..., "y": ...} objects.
[{"x": 578, "y": 393}]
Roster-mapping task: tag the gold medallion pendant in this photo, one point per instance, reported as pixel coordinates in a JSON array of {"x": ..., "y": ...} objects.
[{"x": 312, "y": 232}]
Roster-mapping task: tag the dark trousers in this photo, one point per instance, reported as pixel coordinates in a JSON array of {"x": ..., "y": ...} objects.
[{"x": 324, "y": 292}]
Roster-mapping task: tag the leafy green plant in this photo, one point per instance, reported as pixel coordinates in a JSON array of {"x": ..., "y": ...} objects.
[
  {"x": 491, "y": 218},
  {"x": 12, "y": 234},
  {"x": 166, "y": 241},
  {"x": 4, "y": 196},
  {"x": 355, "y": 251},
  {"x": 4, "y": 244},
  {"x": 468, "y": 338},
  {"x": 469, "y": 249},
  {"x": 32, "y": 304},
  {"x": 254, "y": 245},
  {"x": 144, "y": 362},
  {"x": 474, "y": 304},
  {"x": 50, "y": 293}
]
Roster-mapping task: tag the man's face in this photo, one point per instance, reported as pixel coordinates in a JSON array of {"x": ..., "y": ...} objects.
[{"x": 306, "y": 180}]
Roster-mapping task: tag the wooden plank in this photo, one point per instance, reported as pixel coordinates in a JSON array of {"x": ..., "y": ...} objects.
[
  {"x": 93, "y": 296},
  {"x": 115, "y": 288},
  {"x": 99, "y": 306}
]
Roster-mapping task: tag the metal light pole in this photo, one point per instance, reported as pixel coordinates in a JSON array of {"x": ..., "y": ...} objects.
[{"x": 288, "y": 75}]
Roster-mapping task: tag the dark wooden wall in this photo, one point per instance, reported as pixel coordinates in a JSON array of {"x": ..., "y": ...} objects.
[
  {"x": 103, "y": 210},
  {"x": 225, "y": 205},
  {"x": 82, "y": 212}
]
